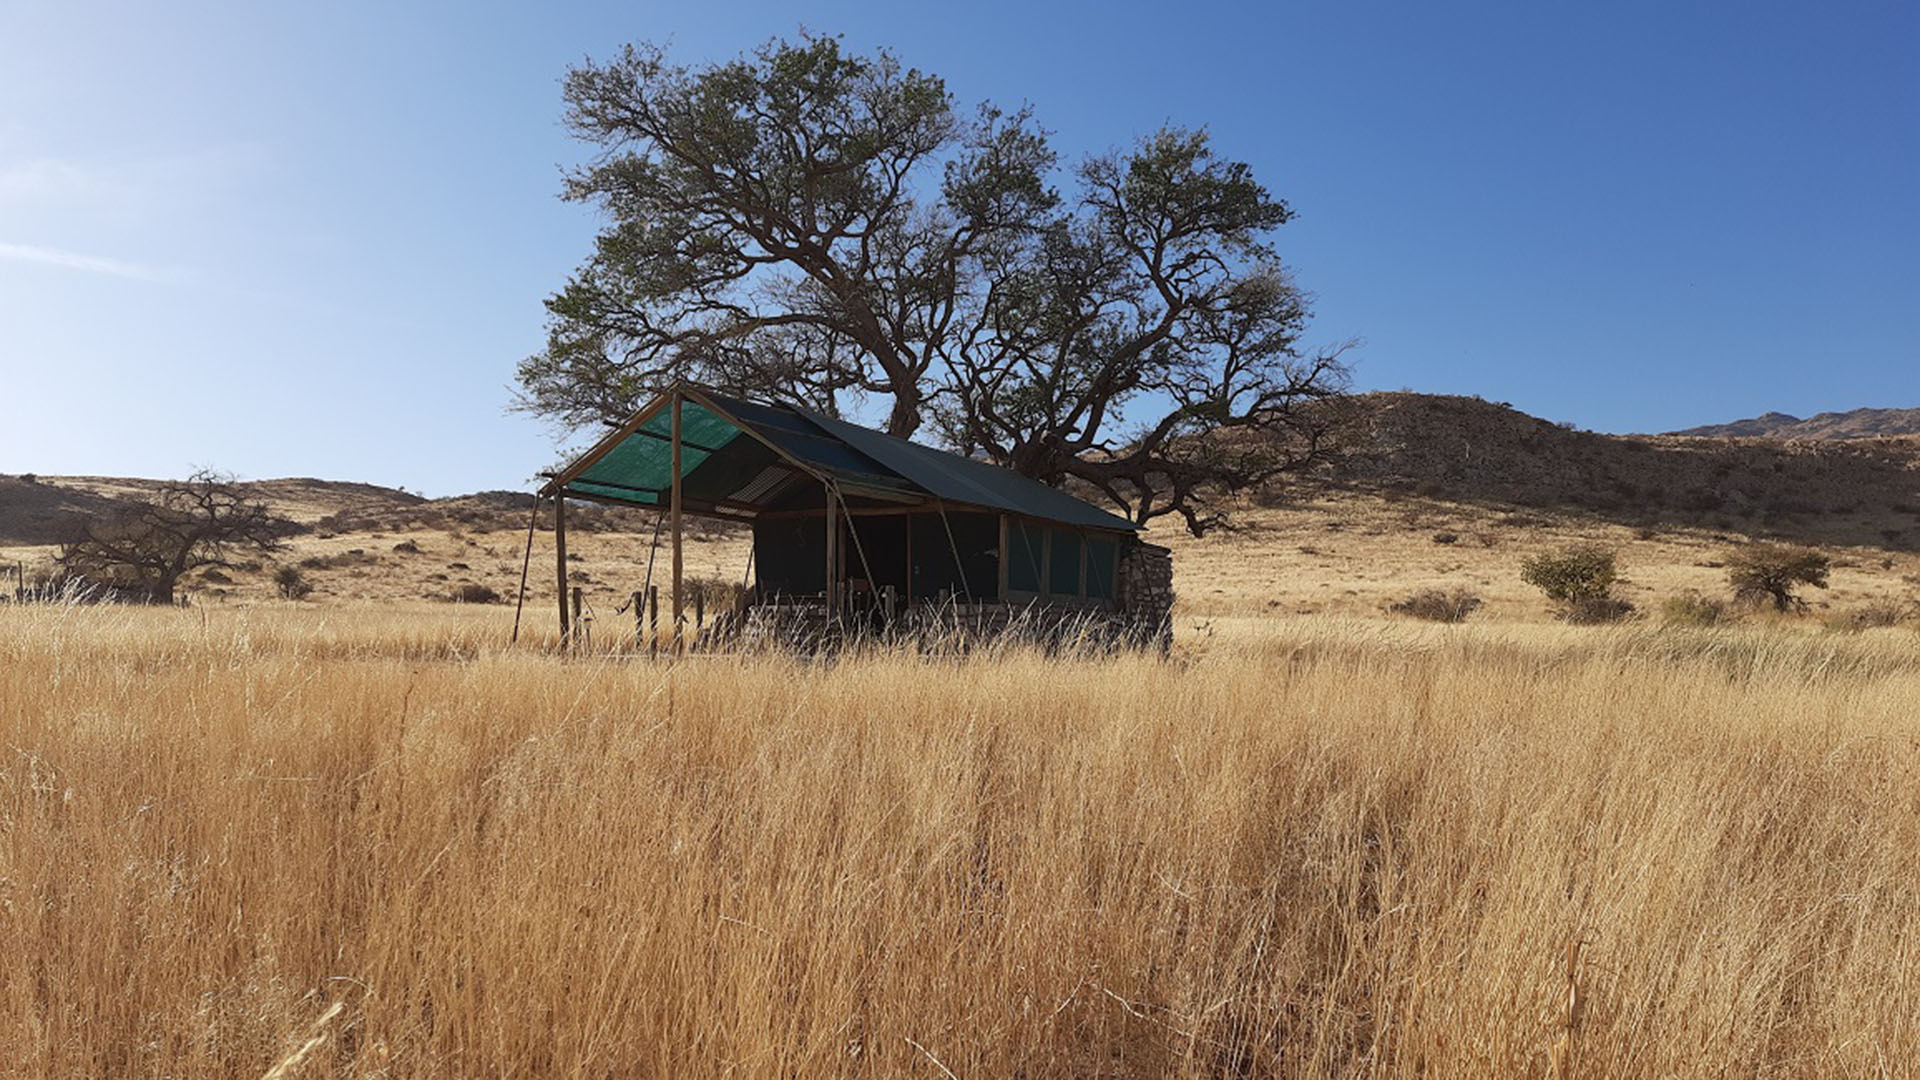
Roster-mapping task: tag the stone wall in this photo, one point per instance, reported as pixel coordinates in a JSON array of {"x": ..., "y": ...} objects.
[{"x": 1145, "y": 593}]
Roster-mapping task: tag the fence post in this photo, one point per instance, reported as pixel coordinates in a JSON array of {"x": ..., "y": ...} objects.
[{"x": 579, "y": 628}]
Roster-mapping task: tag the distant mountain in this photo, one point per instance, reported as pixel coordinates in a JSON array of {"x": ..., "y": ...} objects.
[{"x": 1853, "y": 424}]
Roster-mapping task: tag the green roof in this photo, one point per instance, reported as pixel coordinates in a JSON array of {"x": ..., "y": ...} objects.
[{"x": 740, "y": 457}]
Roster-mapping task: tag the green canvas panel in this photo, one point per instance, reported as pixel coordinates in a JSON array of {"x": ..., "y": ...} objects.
[
  {"x": 1063, "y": 564},
  {"x": 1100, "y": 560},
  {"x": 1026, "y": 545}
]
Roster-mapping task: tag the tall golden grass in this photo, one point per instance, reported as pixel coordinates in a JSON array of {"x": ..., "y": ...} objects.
[{"x": 336, "y": 844}]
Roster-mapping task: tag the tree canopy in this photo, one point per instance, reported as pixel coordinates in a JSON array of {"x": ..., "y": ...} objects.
[{"x": 831, "y": 230}]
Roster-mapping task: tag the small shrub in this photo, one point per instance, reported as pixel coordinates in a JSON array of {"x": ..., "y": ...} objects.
[
  {"x": 1868, "y": 616},
  {"x": 1572, "y": 574},
  {"x": 1437, "y": 605},
  {"x": 717, "y": 593},
  {"x": 293, "y": 585},
  {"x": 1594, "y": 610},
  {"x": 1770, "y": 573},
  {"x": 1692, "y": 609},
  {"x": 407, "y": 547},
  {"x": 474, "y": 593},
  {"x": 1446, "y": 538},
  {"x": 29, "y": 478}
]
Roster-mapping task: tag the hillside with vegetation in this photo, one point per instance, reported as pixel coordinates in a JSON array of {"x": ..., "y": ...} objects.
[{"x": 1434, "y": 493}]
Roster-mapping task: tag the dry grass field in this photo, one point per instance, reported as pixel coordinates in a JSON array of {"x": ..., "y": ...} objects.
[{"x": 337, "y": 841}]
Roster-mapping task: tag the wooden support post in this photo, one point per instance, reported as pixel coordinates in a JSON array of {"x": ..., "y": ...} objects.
[
  {"x": 679, "y": 584},
  {"x": 833, "y": 556},
  {"x": 560, "y": 564}
]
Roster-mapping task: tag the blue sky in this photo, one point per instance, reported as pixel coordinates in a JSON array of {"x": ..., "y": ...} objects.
[{"x": 314, "y": 239}]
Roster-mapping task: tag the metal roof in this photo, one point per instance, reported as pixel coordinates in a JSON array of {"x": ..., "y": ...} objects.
[{"x": 738, "y": 457}]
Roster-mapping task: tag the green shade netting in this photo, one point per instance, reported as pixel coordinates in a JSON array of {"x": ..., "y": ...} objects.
[{"x": 640, "y": 468}]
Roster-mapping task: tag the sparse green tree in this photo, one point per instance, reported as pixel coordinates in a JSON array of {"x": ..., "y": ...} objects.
[
  {"x": 1575, "y": 573},
  {"x": 1772, "y": 574},
  {"x": 1579, "y": 579}
]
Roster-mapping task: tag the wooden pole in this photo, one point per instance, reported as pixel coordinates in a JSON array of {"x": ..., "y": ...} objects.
[
  {"x": 580, "y": 627},
  {"x": 679, "y": 583},
  {"x": 526, "y": 563},
  {"x": 833, "y": 557},
  {"x": 560, "y": 564}
]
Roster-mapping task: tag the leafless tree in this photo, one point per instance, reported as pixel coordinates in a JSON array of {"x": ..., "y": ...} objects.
[{"x": 204, "y": 520}]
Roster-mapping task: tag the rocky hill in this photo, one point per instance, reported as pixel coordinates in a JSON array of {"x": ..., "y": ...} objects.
[
  {"x": 42, "y": 510},
  {"x": 1852, "y": 424},
  {"x": 1464, "y": 449}
]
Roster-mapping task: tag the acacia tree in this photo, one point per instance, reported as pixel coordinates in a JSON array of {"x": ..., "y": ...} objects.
[
  {"x": 828, "y": 229},
  {"x": 1772, "y": 574},
  {"x": 204, "y": 520},
  {"x": 1157, "y": 290}
]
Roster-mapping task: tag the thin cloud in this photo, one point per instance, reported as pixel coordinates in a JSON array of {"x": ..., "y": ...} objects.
[{"x": 71, "y": 260}]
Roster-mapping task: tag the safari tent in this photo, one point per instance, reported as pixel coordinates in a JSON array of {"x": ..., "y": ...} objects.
[{"x": 850, "y": 521}]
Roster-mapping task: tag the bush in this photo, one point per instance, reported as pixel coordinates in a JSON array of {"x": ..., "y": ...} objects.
[
  {"x": 1877, "y": 613},
  {"x": 1437, "y": 605},
  {"x": 1769, "y": 573},
  {"x": 1572, "y": 574},
  {"x": 293, "y": 585},
  {"x": 1594, "y": 610},
  {"x": 1579, "y": 579},
  {"x": 474, "y": 593},
  {"x": 1446, "y": 538},
  {"x": 1692, "y": 609}
]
